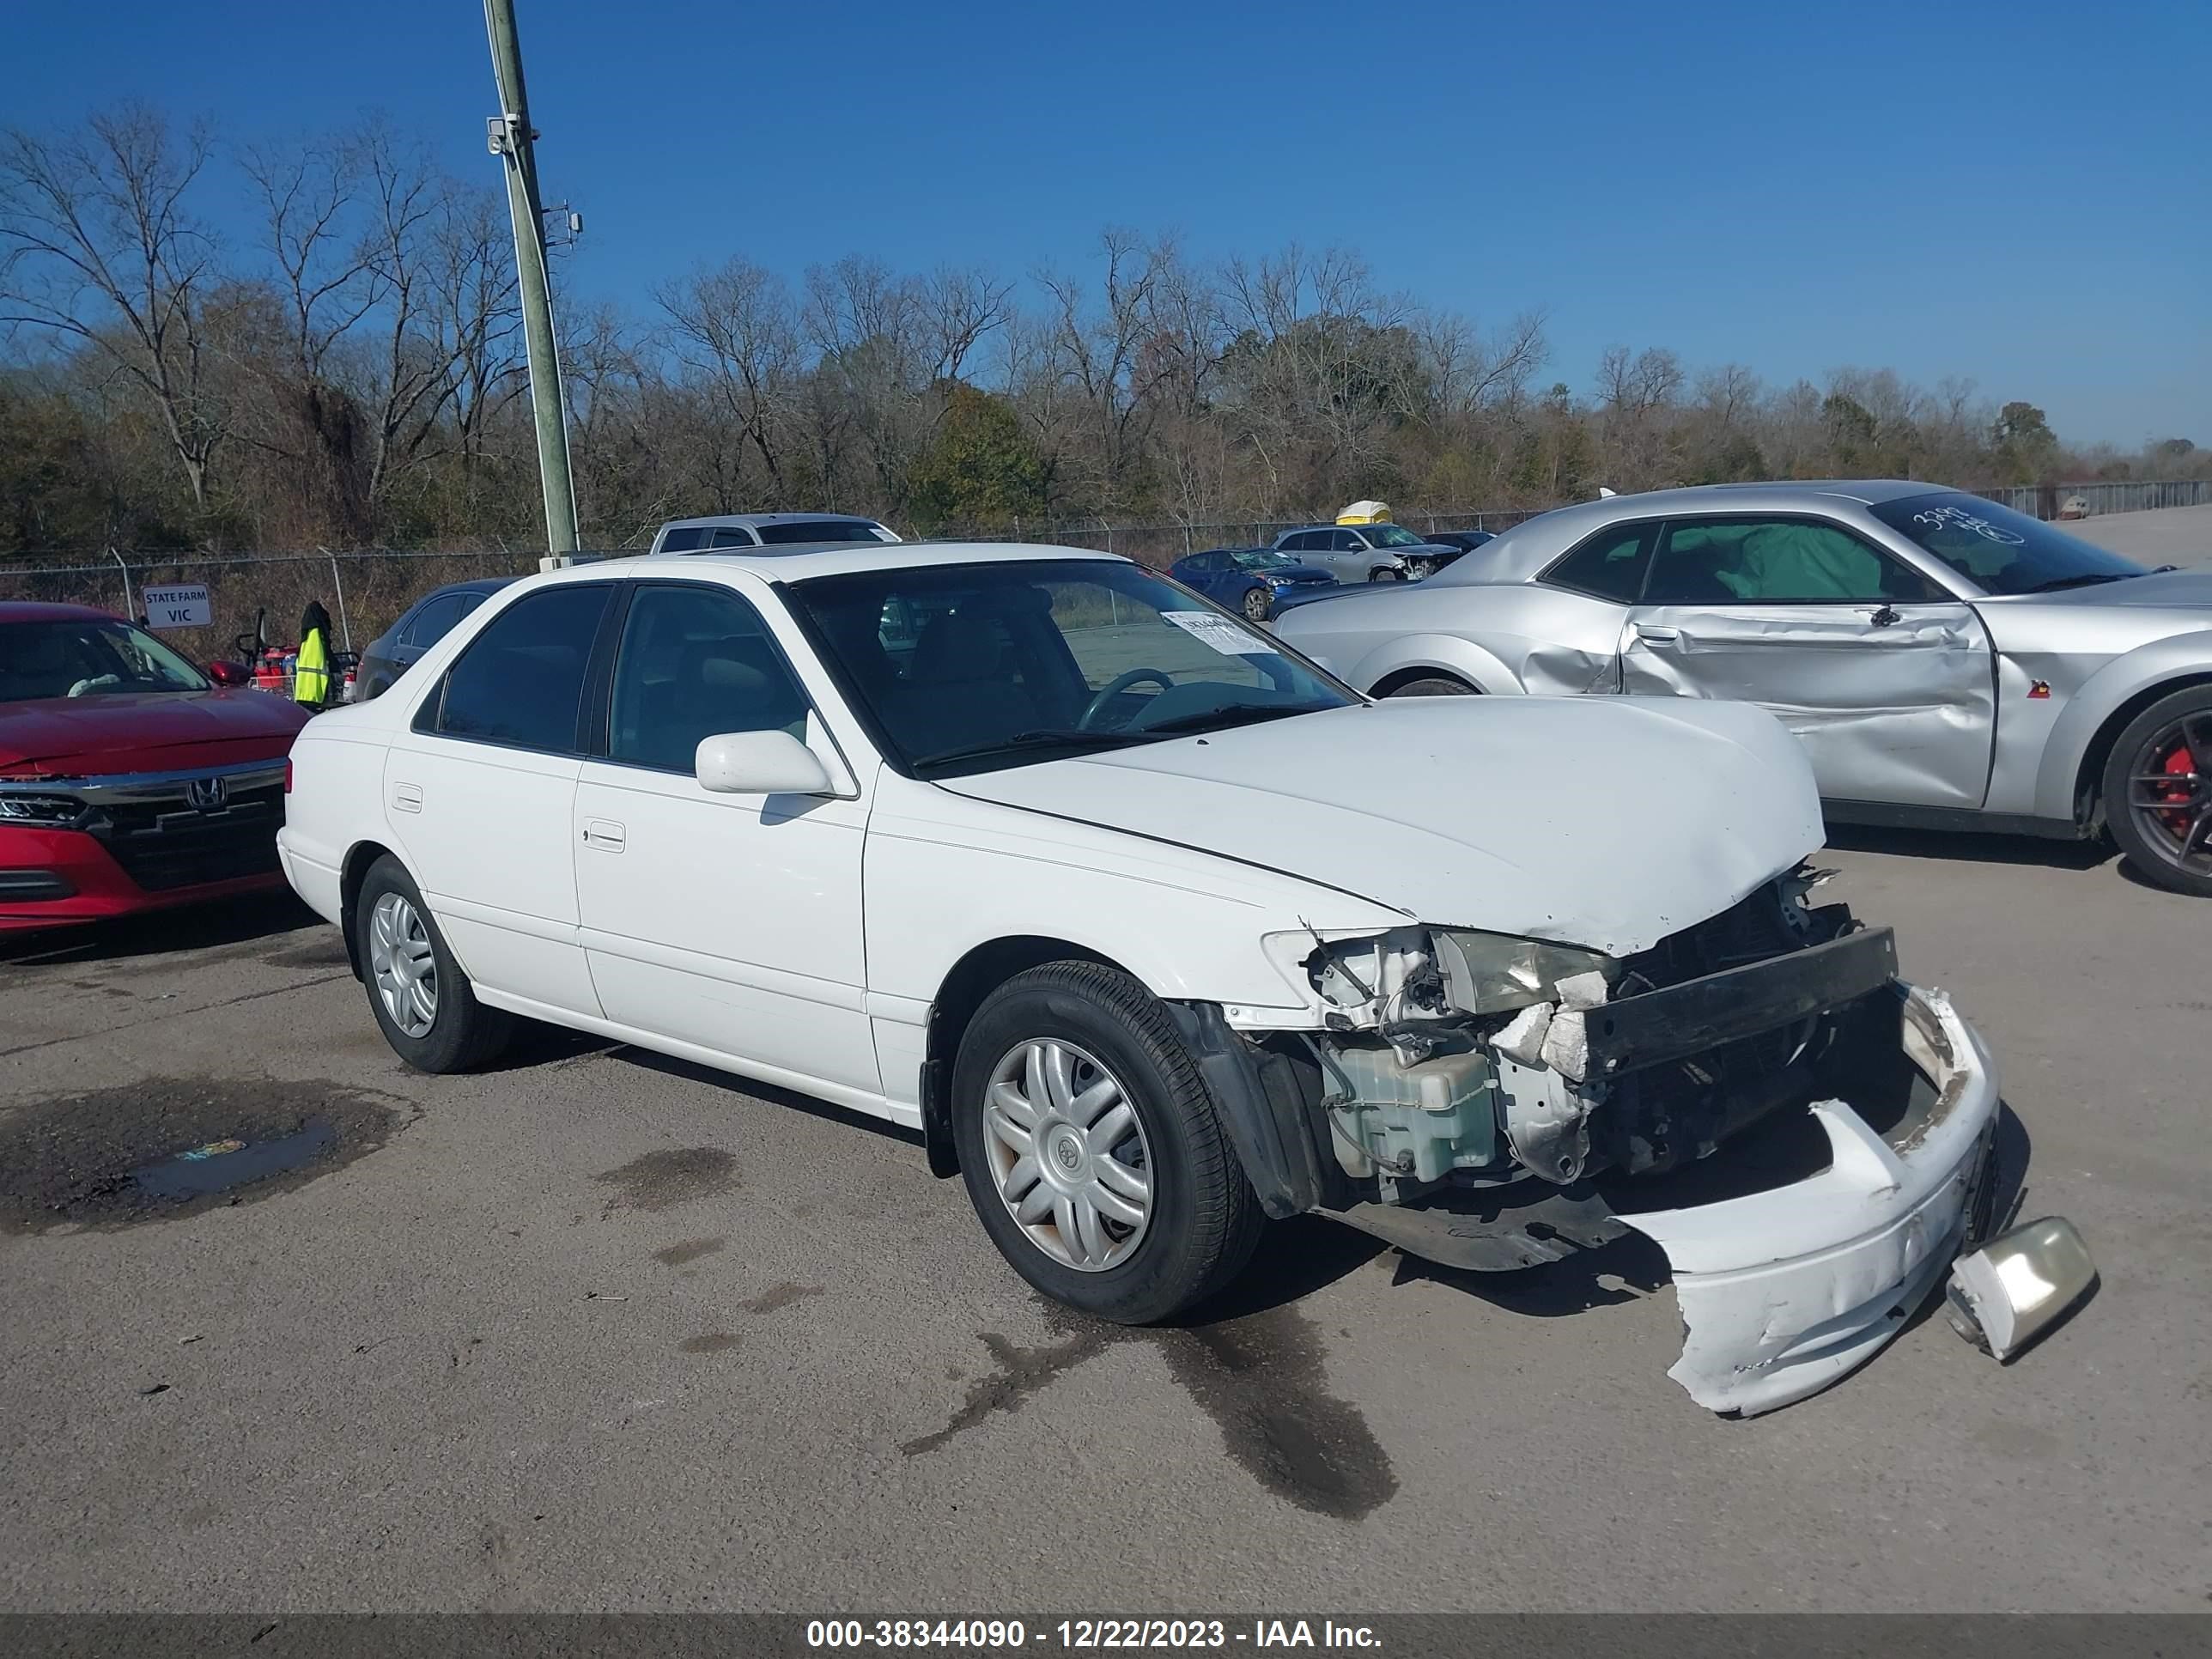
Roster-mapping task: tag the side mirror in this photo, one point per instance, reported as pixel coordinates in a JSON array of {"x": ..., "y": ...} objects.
[
  {"x": 229, "y": 673},
  {"x": 759, "y": 763}
]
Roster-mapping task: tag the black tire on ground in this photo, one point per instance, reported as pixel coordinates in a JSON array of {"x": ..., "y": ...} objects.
[
  {"x": 464, "y": 1034},
  {"x": 2156, "y": 851},
  {"x": 1205, "y": 1220},
  {"x": 1436, "y": 685},
  {"x": 1257, "y": 603},
  {"x": 1384, "y": 573}
]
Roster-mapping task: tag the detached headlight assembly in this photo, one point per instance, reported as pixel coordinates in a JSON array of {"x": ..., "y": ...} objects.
[{"x": 1496, "y": 973}]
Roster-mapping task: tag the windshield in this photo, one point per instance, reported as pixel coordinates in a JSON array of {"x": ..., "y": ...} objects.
[
  {"x": 822, "y": 530},
  {"x": 973, "y": 667},
  {"x": 1998, "y": 550},
  {"x": 72, "y": 657},
  {"x": 1391, "y": 535},
  {"x": 1262, "y": 558}
]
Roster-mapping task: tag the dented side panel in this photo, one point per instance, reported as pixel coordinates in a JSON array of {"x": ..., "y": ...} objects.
[{"x": 1903, "y": 710}]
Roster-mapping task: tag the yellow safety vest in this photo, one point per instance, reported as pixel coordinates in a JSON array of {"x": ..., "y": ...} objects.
[{"x": 310, "y": 675}]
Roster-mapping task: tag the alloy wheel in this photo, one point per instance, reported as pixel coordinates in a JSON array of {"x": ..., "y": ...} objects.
[
  {"x": 403, "y": 964},
  {"x": 1068, "y": 1154},
  {"x": 2170, "y": 792}
]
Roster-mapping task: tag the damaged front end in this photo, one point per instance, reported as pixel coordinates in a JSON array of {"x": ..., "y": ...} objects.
[{"x": 1492, "y": 1103}]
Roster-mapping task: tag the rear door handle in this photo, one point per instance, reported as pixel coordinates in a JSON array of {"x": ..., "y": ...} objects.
[
  {"x": 1651, "y": 635},
  {"x": 407, "y": 796},
  {"x": 605, "y": 834}
]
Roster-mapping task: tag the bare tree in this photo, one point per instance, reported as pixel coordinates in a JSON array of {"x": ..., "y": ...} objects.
[
  {"x": 734, "y": 327},
  {"x": 98, "y": 246}
]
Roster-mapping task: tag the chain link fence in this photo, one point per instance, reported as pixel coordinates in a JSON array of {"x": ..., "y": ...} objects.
[{"x": 366, "y": 592}]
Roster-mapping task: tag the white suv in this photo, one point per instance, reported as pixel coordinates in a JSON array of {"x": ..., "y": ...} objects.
[{"x": 731, "y": 530}]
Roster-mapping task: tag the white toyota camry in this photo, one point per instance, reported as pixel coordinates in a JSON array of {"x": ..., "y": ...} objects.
[{"x": 1153, "y": 929}]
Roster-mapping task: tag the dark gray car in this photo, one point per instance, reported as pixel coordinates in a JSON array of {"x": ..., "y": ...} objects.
[{"x": 422, "y": 626}]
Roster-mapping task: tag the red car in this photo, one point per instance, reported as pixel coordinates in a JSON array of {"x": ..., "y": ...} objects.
[{"x": 128, "y": 780}]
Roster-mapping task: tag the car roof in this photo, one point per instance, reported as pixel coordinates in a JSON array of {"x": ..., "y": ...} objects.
[
  {"x": 19, "y": 610},
  {"x": 799, "y": 561}
]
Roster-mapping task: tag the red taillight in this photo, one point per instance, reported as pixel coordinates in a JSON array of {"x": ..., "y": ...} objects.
[{"x": 288, "y": 775}]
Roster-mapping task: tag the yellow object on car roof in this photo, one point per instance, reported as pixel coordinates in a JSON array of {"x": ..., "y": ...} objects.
[{"x": 1365, "y": 513}]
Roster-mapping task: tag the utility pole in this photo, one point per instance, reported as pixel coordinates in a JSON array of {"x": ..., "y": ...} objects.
[{"x": 510, "y": 137}]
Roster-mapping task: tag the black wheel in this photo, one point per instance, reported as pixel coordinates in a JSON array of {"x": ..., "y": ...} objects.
[
  {"x": 1384, "y": 573},
  {"x": 2158, "y": 792},
  {"x": 1435, "y": 685},
  {"x": 1257, "y": 603},
  {"x": 1091, "y": 1150},
  {"x": 429, "y": 1012}
]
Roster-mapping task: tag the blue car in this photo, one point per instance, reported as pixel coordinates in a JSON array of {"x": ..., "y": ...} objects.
[{"x": 1251, "y": 579}]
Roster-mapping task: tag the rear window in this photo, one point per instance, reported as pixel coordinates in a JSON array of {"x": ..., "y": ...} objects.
[{"x": 823, "y": 529}]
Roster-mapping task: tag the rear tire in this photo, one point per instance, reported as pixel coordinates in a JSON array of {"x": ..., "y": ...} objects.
[
  {"x": 1435, "y": 685},
  {"x": 403, "y": 956},
  {"x": 1192, "y": 1222},
  {"x": 2165, "y": 830}
]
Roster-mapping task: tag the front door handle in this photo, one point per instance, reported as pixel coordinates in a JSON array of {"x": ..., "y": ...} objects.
[
  {"x": 605, "y": 834},
  {"x": 1651, "y": 635}
]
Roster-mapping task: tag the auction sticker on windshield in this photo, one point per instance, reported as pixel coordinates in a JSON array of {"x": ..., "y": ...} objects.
[{"x": 1218, "y": 632}]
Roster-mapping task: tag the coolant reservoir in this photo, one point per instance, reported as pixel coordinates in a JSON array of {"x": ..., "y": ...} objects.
[{"x": 1435, "y": 1116}]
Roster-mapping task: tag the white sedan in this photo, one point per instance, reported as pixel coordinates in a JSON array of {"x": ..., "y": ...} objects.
[{"x": 1152, "y": 930}]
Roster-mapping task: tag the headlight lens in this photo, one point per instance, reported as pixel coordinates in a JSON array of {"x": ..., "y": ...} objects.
[
  {"x": 39, "y": 809},
  {"x": 1495, "y": 973}
]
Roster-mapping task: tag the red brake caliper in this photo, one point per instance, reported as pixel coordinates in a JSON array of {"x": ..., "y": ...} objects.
[{"x": 2180, "y": 766}]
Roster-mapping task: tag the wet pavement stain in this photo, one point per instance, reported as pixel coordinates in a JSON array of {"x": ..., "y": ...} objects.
[
  {"x": 779, "y": 1295},
  {"x": 169, "y": 1147},
  {"x": 673, "y": 1176},
  {"x": 712, "y": 1342},
  {"x": 689, "y": 1249},
  {"x": 1260, "y": 1378},
  {"x": 223, "y": 1164},
  {"x": 326, "y": 953}
]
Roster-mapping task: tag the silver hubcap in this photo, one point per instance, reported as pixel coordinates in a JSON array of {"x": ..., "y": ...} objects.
[
  {"x": 403, "y": 966},
  {"x": 1068, "y": 1155}
]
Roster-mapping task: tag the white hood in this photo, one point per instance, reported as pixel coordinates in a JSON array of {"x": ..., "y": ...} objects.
[{"x": 1607, "y": 822}]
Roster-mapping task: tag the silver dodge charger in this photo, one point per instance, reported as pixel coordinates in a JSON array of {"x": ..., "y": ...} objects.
[{"x": 1946, "y": 662}]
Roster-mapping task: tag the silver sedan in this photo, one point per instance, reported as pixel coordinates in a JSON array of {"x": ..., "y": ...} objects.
[{"x": 1946, "y": 662}]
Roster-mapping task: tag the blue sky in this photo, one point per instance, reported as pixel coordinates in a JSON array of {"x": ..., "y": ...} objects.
[{"x": 2018, "y": 194}]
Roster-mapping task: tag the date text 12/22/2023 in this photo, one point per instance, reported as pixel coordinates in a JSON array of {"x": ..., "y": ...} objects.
[{"x": 1088, "y": 1634}]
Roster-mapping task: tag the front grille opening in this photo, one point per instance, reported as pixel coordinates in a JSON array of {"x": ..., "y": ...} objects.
[{"x": 165, "y": 845}]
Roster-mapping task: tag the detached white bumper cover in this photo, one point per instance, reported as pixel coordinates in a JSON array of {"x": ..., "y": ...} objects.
[{"x": 1781, "y": 1292}]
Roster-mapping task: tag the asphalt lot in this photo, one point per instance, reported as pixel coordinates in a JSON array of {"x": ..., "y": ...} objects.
[{"x": 598, "y": 1330}]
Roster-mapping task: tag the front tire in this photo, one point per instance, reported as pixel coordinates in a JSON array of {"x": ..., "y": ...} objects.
[
  {"x": 2158, "y": 792},
  {"x": 1384, "y": 573},
  {"x": 1092, "y": 1149},
  {"x": 1257, "y": 603},
  {"x": 422, "y": 1001}
]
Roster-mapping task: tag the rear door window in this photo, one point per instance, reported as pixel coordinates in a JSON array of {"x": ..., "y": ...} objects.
[
  {"x": 729, "y": 537},
  {"x": 520, "y": 682}
]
